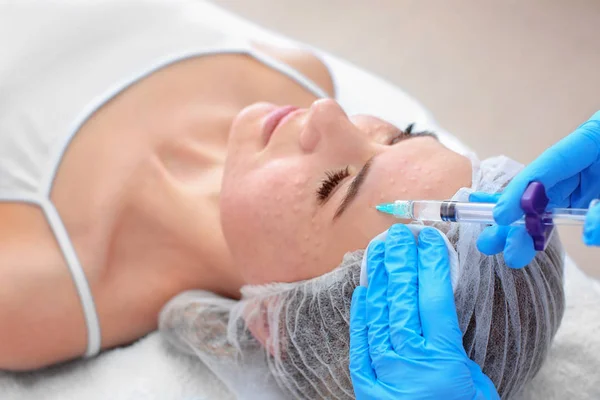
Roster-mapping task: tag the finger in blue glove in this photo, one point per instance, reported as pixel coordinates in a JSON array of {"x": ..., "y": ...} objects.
[
  {"x": 401, "y": 268},
  {"x": 591, "y": 229},
  {"x": 377, "y": 306},
  {"x": 516, "y": 243},
  {"x": 360, "y": 361},
  {"x": 436, "y": 299}
]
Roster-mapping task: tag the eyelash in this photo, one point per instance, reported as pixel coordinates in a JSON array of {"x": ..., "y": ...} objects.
[
  {"x": 332, "y": 179},
  {"x": 408, "y": 131},
  {"x": 402, "y": 135}
]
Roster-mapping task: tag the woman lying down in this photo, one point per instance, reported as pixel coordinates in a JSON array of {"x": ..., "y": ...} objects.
[
  {"x": 291, "y": 339},
  {"x": 168, "y": 157}
]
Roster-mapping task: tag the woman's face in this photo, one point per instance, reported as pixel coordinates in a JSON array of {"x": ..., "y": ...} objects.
[{"x": 300, "y": 191}]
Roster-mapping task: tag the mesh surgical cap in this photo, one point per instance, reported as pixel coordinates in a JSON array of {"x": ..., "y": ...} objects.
[{"x": 291, "y": 340}]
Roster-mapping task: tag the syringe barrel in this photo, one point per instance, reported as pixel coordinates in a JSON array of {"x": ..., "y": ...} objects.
[
  {"x": 467, "y": 212},
  {"x": 483, "y": 213}
]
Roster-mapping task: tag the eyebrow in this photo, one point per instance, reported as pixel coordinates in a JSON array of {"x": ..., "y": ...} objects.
[{"x": 354, "y": 188}]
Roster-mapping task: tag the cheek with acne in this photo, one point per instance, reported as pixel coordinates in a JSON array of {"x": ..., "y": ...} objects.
[{"x": 389, "y": 188}]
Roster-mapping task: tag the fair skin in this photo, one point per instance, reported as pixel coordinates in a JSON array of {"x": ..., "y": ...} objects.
[
  {"x": 168, "y": 187},
  {"x": 270, "y": 191}
]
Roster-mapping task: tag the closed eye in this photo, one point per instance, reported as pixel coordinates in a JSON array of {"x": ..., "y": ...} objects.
[
  {"x": 334, "y": 178},
  {"x": 409, "y": 134},
  {"x": 330, "y": 182}
]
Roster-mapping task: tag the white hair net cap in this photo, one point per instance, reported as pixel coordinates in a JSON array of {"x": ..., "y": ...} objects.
[{"x": 291, "y": 340}]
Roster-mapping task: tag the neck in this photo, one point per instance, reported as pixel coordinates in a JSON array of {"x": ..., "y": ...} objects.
[
  {"x": 174, "y": 246},
  {"x": 170, "y": 228},
  {"x": 153, "y": 257}
]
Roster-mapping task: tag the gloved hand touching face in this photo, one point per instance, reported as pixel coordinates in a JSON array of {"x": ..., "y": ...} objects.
[
  {"x": 405, "y": 341},
  {"x": 570, "y": 172}
]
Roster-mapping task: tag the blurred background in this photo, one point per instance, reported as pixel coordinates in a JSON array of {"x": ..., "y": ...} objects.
[{"x": 506, "y": 77}]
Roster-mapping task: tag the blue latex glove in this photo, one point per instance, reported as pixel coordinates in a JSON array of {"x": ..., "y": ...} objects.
[
  {"x": 570, "y": 172},
  {"x": 591, "y": 229},
  {"x": 405, "y": 342}
]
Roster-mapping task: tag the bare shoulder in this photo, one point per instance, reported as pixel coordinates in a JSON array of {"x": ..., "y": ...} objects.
[
  {"x": 18, "y": 222},
  {"x": 304, "y": 61}
]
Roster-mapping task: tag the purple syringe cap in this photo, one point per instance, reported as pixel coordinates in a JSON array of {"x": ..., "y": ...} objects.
[{"x": 533, "y": 203}]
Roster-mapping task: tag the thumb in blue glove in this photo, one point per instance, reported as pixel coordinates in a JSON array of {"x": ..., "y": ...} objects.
[{"x": 514, "y": 240}]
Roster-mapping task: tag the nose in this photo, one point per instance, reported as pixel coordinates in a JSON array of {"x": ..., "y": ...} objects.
[{"x": 327, "y": 123}]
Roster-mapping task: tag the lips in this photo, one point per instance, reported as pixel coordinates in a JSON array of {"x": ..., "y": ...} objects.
[{"x": 273, "y": 119}]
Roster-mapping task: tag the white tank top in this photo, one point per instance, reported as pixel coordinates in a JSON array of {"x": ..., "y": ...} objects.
[{"x": 60, "y": 62}]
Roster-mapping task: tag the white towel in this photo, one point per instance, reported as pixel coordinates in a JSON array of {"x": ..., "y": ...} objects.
[
  {"x": 572, "y": 370},
  {"x": 149, "y": 369}
]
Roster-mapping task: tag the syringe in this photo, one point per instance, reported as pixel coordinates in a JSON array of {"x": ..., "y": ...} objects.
[{"x": 481, "y": 213}]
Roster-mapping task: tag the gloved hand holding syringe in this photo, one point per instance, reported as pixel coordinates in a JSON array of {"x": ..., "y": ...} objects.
[
  {"x": 538, "y": 220},
  {"x": 454, "y": 211}
]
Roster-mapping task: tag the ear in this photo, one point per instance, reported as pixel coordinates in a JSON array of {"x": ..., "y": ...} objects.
[{"x": 261, "y": 319}]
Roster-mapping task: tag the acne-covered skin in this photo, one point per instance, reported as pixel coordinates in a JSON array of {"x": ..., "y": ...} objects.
[{"x": 277, "y": 227}]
